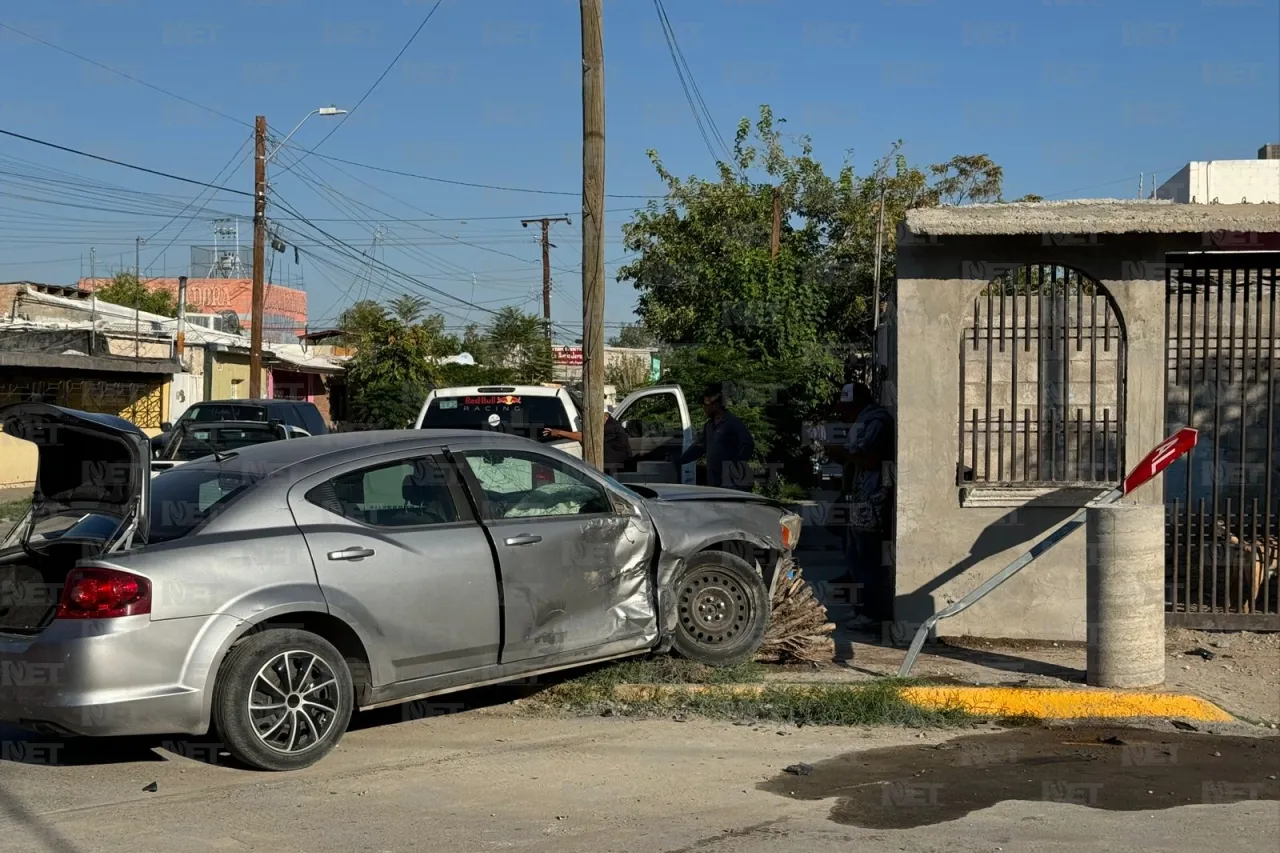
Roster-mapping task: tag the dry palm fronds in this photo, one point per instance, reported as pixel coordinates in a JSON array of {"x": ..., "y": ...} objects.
[{"x": 798, "y": 629}]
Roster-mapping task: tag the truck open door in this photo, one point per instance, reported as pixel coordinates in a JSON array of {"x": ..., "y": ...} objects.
[{"x": 660, "y": 426}]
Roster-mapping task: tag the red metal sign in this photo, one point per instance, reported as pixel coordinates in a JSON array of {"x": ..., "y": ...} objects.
[
  {"x": 569, "y": 355},
  {"x": 1164, "y": 455}
]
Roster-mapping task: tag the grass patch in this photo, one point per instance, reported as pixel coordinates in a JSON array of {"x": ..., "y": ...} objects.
[
  {"x": 14, "y": 510},
  {"x": 719, "y": 695}
]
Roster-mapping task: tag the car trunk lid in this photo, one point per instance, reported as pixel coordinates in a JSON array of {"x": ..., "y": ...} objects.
[{"x": 91, "y": 487}]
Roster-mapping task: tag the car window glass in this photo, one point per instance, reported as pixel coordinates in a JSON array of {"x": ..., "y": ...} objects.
[
  {"x": 522, "y": 485},
  {"x": 311, "y": 420},
  {"x": 653, "y": 416},
  {"x": 402, "y": 494}
]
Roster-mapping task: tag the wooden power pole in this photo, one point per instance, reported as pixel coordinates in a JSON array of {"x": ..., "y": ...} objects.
[
  {"x": 593, "y": 232},
  {"x": 259, "y": 255},
  {"x": 547, "y": 245}
]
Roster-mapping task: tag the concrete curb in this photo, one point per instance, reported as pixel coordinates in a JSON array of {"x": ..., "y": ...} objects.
[{"x": 1038, "y": 703}]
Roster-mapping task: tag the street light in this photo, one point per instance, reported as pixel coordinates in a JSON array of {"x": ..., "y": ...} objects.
[
  {"x": 323, "y": 111},
  {"x": 260, "y": 235}
]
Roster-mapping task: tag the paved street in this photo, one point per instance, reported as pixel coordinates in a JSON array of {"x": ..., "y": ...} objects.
[{"x": 493, "y": 780}]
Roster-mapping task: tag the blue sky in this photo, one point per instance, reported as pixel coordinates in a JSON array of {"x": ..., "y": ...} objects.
[{"x": 1075, "y": 98}]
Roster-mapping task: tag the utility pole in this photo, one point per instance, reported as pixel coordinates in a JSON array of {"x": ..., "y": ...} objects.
[
  {"x": 593, "y": 232},
  {"x": 137, "y": 300},
  {"x": 259, "y": 252},
  {"x": 547, "y": 246},
  {"x": 875, "y": 301},
  {"x": 180, "y": 336}
]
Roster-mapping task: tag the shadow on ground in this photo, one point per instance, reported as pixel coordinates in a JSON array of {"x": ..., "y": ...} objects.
[{"x": 24, "y": 747}]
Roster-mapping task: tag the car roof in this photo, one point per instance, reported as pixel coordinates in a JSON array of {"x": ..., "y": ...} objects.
[
  {"x": 254, "y": 401},
  {"x": 522, "y": 390},
  {"x": 274, "y": 456}
]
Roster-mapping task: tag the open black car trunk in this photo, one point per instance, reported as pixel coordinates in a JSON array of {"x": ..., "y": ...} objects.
[{"x": 90, "y": 493}]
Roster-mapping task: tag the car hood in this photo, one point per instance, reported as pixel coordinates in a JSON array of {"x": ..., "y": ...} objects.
[
  {"x": 676, "y": 492},
  {"x": 88, "y": 462}
]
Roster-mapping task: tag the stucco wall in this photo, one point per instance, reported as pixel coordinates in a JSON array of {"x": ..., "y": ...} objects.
[{"x": 943, "y": 550}]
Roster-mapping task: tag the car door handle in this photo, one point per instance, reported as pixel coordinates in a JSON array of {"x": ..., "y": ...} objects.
[
  {"x": 351, "y": 554},
  {"x": 524, "y": 539}
]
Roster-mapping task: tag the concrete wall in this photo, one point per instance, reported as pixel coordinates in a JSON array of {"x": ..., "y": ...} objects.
[
  {"x": 1224, "y": 181},
  {"x": 943, "y": 550}
]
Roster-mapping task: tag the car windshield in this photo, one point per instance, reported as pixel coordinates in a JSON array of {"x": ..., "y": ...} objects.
[
  {"x": 213, "y": 412},
  {"x": 184, "y": 498},
  {"x": 517, "y": 415},
  {"x": 194, "y": 441}
]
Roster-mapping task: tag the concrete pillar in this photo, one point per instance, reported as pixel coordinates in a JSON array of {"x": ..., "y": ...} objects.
[{"x": 1125, "y": 592}]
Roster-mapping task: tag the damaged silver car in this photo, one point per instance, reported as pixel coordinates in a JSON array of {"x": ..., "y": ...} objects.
[{"x": 270, "y": 591}]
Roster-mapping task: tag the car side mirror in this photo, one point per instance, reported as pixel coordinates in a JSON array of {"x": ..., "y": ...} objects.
[{"x": 166, "y": 426}]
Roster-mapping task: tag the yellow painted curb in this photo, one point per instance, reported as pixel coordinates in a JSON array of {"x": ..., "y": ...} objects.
[
  {"x": 1040, "y": 703},
  {"x": 1056, "y": 704}
]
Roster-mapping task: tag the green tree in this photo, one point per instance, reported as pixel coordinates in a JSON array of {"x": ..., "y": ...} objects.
[
  {"x": 633, "y": 336},
  {"x": 517, "y": 341},
  {"x": 392, "y": 368},
  {"x": 125, "y": 289},
  {"x": 778, "y": 328}
]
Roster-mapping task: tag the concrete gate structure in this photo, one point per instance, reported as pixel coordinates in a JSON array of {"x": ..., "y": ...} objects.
[{"x": 1036, "y": 352}]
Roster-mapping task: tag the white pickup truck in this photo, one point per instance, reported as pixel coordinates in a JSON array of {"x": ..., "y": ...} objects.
[{"x": 656, "y": 419}]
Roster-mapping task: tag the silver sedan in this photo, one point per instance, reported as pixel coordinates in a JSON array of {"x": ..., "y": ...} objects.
[{"x": 270, "y": 591}]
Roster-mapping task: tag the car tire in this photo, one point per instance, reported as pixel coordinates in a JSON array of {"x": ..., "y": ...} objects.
[
  {"x": 315, "y": 703},
  {"x": 722, "y": 610}
]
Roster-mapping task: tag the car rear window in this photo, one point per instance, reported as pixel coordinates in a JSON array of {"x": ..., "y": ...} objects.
[
  {"x": 194, "y": 441},
  {"x": 210, "y": 413},
  {"x": 184, "y": 498},
  {"x": 517, "y": 414}
]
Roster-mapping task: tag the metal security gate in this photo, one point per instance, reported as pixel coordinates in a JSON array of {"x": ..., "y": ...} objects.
[{"x": 1222, "y": 500}]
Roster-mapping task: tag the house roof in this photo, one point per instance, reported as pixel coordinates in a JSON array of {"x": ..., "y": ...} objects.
[
  {"x": 1093, "y": 216},
  {"x": 109, "y": 316}
]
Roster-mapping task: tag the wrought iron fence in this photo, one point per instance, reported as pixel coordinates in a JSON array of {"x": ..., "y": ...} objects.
[
  {"x": 1222, "y": 500},
  {"x": 1042, "y": 375}
]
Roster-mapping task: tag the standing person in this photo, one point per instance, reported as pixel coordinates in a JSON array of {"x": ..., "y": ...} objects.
[
  {"x": 726, "y": 443},
  {"x": 868, "y": 456},
  {"x": 617, "y": 444}
]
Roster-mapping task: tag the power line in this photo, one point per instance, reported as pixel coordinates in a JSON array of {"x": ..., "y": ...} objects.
[
  {"x": 691, "y": 92},
  {"x": 122, "y": 163},
  {"x": 369, "y": 91},
  {"x": 124, "y": 75},
  {"x": 220, "y": 113}
]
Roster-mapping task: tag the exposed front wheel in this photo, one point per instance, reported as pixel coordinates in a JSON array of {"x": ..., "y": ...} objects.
[
  {"x": 722, "y": 609},
  {"x": 282, "y": 699}
]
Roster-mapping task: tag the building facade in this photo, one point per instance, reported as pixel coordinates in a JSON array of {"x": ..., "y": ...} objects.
[
  {"x": 286, "y": 308},
  {"x": 1227, "y": 181}
]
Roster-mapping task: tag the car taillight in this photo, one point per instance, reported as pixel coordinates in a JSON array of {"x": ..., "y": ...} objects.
[
  {"x": 103, "y": 594},
  {"x": 543, "y": 475}
]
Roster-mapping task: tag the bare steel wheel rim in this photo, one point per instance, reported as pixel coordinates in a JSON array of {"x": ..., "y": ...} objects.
[
  {"x": 714, "y": 608},
  {"x": 293, "y": 702}
]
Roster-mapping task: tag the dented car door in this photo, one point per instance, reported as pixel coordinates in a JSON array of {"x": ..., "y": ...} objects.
[{"x": 574, "y": 558}]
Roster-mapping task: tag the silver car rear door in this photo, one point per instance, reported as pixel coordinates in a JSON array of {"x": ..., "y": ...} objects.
[{"x": 397, "y": 548}]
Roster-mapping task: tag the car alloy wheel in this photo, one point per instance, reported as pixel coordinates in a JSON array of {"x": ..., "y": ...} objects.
[
  {"x": 282, "y": 699},
  {"x": 293, "y": 702}
]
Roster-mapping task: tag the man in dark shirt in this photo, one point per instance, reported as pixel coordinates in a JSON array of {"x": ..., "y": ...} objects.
[
  {"x": 725, "y": 442},
  {"x": 617, "y": 444}
]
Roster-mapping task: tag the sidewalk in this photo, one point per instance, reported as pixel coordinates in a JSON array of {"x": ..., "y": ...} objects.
[{"x": 1239, "y": 672}]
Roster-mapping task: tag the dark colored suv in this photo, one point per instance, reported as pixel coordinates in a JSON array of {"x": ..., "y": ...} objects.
[{"x": 294, "y": 413}]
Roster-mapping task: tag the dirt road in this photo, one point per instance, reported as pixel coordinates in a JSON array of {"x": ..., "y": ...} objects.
[{"x": 491, "y": 779}]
